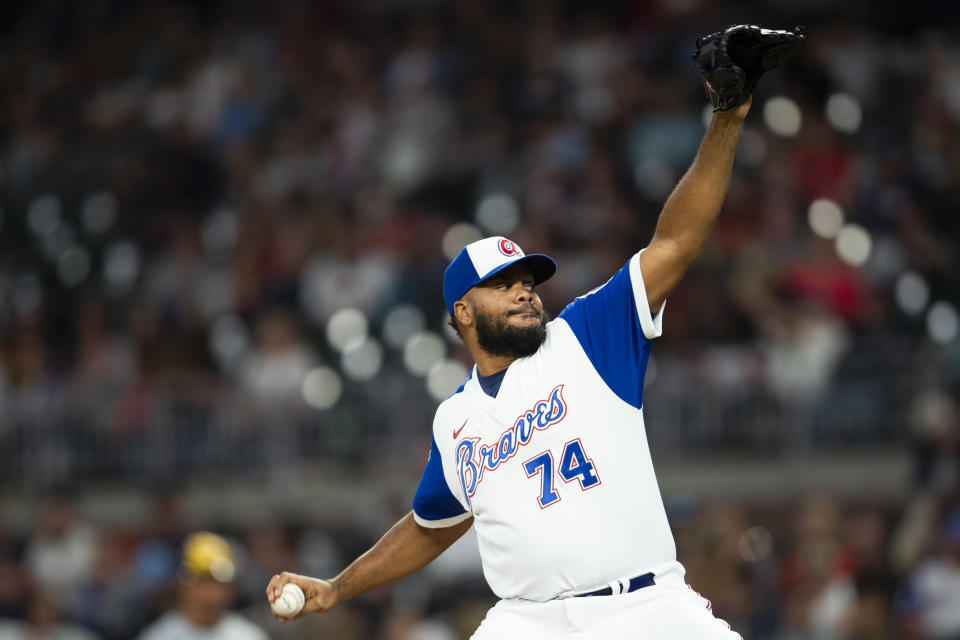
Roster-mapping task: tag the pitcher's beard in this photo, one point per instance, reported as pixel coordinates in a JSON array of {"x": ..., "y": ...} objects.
[{"x": 498, "y": 338}]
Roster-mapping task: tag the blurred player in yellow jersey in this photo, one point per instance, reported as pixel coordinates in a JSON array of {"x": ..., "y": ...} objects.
[{"x": 205, "y": 592}]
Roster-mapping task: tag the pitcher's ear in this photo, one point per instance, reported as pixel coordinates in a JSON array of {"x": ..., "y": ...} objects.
[{"x": 463, "y": 313}]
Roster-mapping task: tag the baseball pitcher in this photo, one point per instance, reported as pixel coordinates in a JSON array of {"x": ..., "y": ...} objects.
[{"x": 543, "y": 448}]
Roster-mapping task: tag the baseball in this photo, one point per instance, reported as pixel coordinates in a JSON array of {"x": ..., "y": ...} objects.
[{"x": 290, "y": 602}]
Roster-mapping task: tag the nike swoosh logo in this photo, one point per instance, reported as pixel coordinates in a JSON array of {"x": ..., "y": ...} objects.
[{"x": 457, "y": 432}]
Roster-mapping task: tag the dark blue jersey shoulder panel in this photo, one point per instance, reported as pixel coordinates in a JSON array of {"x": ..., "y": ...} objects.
[
  {"x": 605, "y": 322},
  {"x": 433, "y": 500}
]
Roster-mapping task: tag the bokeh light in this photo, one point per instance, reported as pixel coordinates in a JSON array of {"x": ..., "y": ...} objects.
[
  {"x": 942, "y": 322},
  {"x": 121, "y": 266},
  {"x": 782, "y": 116},
  {"x": 73, "y": 266},
  {"x": 53, "y": 244},
  {"x": 43, "y": 215},
  {"x": 322, "y": 388},
  {"x": 825, "y": 218},
  {"x": 912, "y": 293},
  {"x": 98, "y": 212},
  {"x": 422, "y": 351},
  {"x": 362, "y": 361},
  {"x": 844, "y": 112},
  {"x": 445, "y": 377},
  {"x": 400, "y": 323},
  {"x": 498, "y": 214},
  {"x": 457, "y": 237},
  {"x": 756, "y": 544},
  {"x": 853, "y": 245},
  {"x": 654, "y": 177},
  {"x": 347, "y": 329}
]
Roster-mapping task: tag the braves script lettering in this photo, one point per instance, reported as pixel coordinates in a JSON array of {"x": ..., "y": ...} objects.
[{"x": 474, "y": 458}]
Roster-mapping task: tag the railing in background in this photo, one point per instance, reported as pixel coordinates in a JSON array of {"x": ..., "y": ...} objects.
[{"x": 691, "y": 408}]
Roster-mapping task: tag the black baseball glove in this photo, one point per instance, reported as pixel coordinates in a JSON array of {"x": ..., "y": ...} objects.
[{"x": 731, "y": 61}]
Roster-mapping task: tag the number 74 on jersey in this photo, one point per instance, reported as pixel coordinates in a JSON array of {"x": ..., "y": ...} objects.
[{"x": 574, "y": 465}]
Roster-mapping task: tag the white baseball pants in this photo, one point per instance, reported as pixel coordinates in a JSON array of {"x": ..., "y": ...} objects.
[{"x": 668, "y": 610}]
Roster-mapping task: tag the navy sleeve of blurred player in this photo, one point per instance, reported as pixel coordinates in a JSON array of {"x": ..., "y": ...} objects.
[
  {"x": 434, "y": 506},
  {"x": 614, "y": 326}
]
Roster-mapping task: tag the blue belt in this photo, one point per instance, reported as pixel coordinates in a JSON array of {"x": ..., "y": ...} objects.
[{"x": 638, "y": 582}]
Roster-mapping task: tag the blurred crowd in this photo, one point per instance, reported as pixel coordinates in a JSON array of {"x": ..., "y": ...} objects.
[
  {"x": 194, "y": 194},
  {"x": 809, "y": 569},
  {"x": 202, "y": 204}
]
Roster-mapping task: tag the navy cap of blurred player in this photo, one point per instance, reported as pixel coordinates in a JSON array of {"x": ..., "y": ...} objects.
[
  {"x": 485, "y": 258},
  {"x": 207, "y": 555}
]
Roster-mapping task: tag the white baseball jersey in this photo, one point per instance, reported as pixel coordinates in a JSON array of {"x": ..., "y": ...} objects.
[{"x": 556, "y": 468}]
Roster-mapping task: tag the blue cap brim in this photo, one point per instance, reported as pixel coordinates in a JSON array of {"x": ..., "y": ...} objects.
[{"x": 542, "y": 266}]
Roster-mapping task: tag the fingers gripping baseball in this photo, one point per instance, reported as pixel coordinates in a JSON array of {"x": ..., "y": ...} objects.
[{"x": 319, "y": 595}]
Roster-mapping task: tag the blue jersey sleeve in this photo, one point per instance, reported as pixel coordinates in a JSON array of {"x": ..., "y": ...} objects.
[
  {"x": 434, "y": 506},
  {"x": 614, "y": 326}
]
